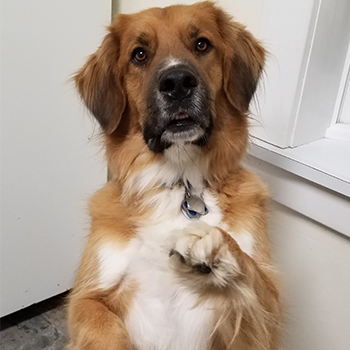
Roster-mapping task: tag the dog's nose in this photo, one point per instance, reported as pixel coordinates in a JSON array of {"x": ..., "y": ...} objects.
[{"x": 177, "y": 83}]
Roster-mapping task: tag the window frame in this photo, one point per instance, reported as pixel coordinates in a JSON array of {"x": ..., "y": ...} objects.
[
  {"x": 339, "y": 128},
  {"x": 311, "y": 175}
]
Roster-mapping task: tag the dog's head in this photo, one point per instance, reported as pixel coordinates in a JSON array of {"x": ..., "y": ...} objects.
[{"x": 170, "y": 74}]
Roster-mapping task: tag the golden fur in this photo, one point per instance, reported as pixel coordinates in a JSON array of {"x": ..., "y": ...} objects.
[{"x": 247, "y": 309}]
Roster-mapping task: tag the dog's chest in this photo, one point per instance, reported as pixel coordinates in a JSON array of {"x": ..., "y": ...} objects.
[{"x": 165, "y": 315}]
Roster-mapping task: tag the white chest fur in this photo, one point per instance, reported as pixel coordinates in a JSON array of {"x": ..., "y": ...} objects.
[{"x": 164, "y": 314}]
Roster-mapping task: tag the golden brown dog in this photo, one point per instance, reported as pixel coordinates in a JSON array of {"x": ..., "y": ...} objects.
[{"x": 178, "y": 255}]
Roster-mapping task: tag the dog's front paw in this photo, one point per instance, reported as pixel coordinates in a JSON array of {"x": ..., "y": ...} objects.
[{"x": 200, "y": 253}]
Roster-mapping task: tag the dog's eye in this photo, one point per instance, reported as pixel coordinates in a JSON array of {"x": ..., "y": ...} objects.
[
  {"x": 139, "y": 55},
  {"x": 203, "y": 45}
]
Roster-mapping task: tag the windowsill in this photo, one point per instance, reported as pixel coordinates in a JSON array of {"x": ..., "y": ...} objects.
[
  {"x": 313, "y": 179},
  {"x": 325, "y": 162}
]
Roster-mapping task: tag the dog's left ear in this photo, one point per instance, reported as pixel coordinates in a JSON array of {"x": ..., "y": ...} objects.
[{"x": 243, "y": 61}]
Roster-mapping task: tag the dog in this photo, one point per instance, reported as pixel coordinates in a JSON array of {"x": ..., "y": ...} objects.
[{"x": 178, "y": 256}]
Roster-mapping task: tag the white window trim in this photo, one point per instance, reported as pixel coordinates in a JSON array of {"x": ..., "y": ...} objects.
[
  {"x": 298, "y": 179},
  {"x": 301, "y": 89},
  {"x": 311, "y": 175},
  {"x": 338, "y": 129},
  {"x": 344, "y": 117}
]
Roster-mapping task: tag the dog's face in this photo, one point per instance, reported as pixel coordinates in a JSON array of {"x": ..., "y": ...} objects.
[
  {"x": 174, "y": 73},
  {"x": 166, "y": 73}
]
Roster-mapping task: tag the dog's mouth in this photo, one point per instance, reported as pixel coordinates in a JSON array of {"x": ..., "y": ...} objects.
[
  {"x": 182, "y": 127},
  {"x": 180, "y": 123}
]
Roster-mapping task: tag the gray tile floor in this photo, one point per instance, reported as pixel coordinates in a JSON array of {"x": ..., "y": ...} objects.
[{"x": 38, "y": 327}]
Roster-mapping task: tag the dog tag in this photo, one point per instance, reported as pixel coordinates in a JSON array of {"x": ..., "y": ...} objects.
[{"x": 193, "y": 207}]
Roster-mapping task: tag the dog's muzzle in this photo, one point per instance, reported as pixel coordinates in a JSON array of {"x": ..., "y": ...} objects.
[{"x": 178, "y": 109}]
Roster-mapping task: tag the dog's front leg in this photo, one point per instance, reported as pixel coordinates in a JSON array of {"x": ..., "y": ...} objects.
[
  {"x": 94, "y": 327},
  {"x": 201, "y": 256},
  {"x": 245, "y": 300}
]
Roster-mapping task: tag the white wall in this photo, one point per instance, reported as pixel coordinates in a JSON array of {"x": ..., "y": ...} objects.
[
  {"x": 314, "y": 265},
  {"x": 49, "y": 167}
]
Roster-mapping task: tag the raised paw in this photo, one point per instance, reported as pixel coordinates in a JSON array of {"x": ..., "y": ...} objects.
[{"x": 200, "y": 253}]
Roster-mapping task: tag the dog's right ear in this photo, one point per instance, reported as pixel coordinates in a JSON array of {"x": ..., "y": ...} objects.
[{"x": 99, "y": 84}]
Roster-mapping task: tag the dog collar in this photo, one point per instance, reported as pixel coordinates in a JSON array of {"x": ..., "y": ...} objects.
[{"x": 193, "y": 207}]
